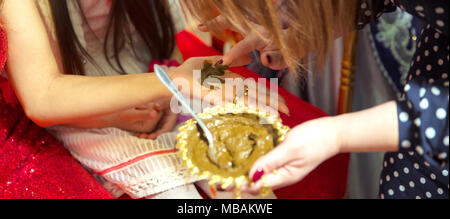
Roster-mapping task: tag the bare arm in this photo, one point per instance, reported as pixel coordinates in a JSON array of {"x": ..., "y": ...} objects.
[
  {"x": 51, "y": 98},
  {"x": 372, "y": 130},
  {"x": 311, "y": 143},
  {"x": 121, "y": 119}
]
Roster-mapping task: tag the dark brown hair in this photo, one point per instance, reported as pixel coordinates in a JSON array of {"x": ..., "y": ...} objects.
[{"x": 151, "y": 19}]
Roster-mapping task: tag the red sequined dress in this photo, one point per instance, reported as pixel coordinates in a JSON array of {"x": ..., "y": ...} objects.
[{"x": 33, "y": 164}]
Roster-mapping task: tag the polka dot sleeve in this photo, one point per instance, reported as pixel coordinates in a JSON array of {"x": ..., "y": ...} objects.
[
  {"x": 423, "y": 121},
  {"x": 420, "y": 168},
  {"x": 423, "y": 112},
  {"x": 370, "y": 10},
  {"x": 433, "y": 12}
]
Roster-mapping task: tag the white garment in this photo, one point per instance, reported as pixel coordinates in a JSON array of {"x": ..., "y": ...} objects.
[
  {"x": 140, "y": 167},
  {"x": 182, "y": 192}
]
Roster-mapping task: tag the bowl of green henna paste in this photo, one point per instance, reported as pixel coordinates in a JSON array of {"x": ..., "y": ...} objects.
[{"x": 241, "y": 136}]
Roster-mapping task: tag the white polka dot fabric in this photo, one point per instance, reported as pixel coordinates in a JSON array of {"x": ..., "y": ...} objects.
[{"x": 420, "y": 169}]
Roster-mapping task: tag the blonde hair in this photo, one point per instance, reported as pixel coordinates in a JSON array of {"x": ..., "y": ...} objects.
[{"x": 313, "y": 24}]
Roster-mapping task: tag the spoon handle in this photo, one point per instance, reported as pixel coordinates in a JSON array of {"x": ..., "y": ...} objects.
[{"x": 167, "y": 81}]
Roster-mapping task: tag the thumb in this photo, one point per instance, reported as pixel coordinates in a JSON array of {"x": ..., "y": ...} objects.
[
  {"x": 272, "y": 161},
  {"x": 147, "y": 106},
  {"x": 277, "y": 169},
  {"x": 134, "y": 115}
]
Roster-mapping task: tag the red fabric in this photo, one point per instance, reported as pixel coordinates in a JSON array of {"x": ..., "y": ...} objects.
[
  {"x": 171, "y": 63},
  {"x": 33, "y": 164},
  {"x": 329, "y": 180}
]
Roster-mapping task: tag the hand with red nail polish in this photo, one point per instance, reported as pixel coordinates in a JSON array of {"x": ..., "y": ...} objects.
[
  {"x": 257, "y": 175},
  {"x": 304, "y": 148},
  {"x": 220, "y": 62}
]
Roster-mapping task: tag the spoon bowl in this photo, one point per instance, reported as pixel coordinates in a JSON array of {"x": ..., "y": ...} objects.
[{"x": 167, "y": 81}]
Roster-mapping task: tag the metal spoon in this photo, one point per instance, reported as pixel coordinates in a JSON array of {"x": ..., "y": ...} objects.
[{"x": 167, "y": 81}]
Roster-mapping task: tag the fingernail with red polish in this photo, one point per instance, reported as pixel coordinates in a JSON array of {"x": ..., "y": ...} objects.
[
  {"x": 220, "y": 62},
  {"x": 257, "y": 176}
]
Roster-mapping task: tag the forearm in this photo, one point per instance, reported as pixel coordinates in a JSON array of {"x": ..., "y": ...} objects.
[
  {"x": 372, "y": 130},
  {"x": 52, "y": 98},
  {"x": 97, "y": 122},
  {"x": 71, "y": 99}
]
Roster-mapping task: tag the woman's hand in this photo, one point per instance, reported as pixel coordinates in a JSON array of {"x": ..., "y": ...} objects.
[
  {"x": 258, "y": 39},
  {"x": 310, "y": 144},
  {"x": 138, "y": 118},
  {"x": 141, "y": 126},
  {"x": 183, "y": 76},
  {"x": 305, "y": 148},
  {"x": 166, "y": 123}
]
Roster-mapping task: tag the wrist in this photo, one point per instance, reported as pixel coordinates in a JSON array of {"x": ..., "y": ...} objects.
[
  {"x": 371, "y": 130},
  {"x": 339, "y": 135},
  {"x": 173, "y": 73},
  {"x": 331, "y": 136}
]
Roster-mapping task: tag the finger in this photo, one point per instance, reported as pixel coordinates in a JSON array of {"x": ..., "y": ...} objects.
[
  {"x": 280, "y": 105},
  {"x": 241, "y": 61},
  {"x": 219, "y": 187},
  {"x": 152, "y": 108},
  {"x": 168, "y": 123},
  {"x": 159, "y": 106},
  {"x": 144, "y": 136},
  {"x": 275, "y": 102},
  {"x": 159, "y": 132},
  {"x": 273, "y": 60},
  {"x": 250, "y": 189},
  {"x": 141, "y": 135},
  {"x": 162, "y": 105},
  {"x": 250, "y": 102},
  {"x": 138, "y": 115},
  {"x": 281, "y": 178},
  {"x": 272, "y": 161},
  {"x": 153, "y": 114},
  {"x": 198, "y": 62},
  {"x": 255, "y": 99},
  {"x": 145, "y": 106},
  {"x": 242, "y": 49}
]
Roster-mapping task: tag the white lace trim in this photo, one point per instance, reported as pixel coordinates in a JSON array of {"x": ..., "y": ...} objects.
[{"x": 152, "y": 183}]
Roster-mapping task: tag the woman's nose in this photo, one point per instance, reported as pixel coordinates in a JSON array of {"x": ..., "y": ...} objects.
[{"x": 273, "y": 60}]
